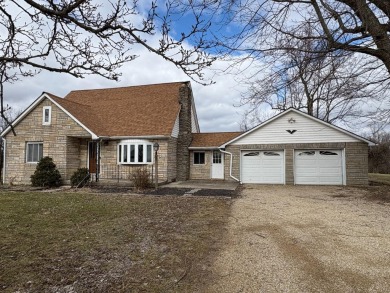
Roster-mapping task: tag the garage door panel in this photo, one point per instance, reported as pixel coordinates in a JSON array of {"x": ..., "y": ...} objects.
[
  {"x": 318, "y": 167},
  {"x": 262, "y": 167}
]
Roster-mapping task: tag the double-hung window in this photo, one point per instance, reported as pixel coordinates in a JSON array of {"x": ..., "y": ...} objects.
[
  {"x": 135, "y": 152},
  {"x": 34, "y": 152}
]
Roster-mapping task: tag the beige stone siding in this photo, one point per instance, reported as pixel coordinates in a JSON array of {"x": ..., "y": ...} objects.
[
  {"x": 356, "y": 159},
  {"x": 201, "y": 171},
  {"x": 357, "y": 163},
  {"x": 111, "y": 170},
  {"x": 60, "y": 141}
]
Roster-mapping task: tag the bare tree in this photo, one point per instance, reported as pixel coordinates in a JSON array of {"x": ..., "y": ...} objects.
[
  {"x": 255, "y": 27},
  {"x": 275, "y": 33},
  {"x": 10, "y": 115},
  {"x": 331, "y": 87},
  {"x": 83, "y": 37},
  {"x": 379, "y": 155}
]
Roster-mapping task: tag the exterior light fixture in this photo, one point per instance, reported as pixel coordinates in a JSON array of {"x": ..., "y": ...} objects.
[{"x": 291, "y": 120}]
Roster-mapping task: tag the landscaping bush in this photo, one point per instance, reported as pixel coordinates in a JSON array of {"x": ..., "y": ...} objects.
[
  {"x": 46, "y": 174},
  {"x": 141, "y": 178},
  {"x": 80, "y": 177}
]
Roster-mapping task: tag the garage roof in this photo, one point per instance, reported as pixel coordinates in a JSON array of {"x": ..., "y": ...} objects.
[{"x": 211, "y": 139}]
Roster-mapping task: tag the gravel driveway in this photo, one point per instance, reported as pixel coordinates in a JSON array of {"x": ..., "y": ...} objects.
[{"x": 305, "y": 239}]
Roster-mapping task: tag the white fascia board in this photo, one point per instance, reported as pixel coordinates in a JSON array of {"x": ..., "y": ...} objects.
[
  {"x": 370, "y": 143},
  {"x": 136, "y": 137},
  {"x": 34, "y": 104},
  {"x": 194, "y": 112},
  {"x": 203, "y": 148}
]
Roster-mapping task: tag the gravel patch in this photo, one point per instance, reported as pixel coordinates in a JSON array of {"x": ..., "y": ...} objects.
[{"x": 305, "y": 239}]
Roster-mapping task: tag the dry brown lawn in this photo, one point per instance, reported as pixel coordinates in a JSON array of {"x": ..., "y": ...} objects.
[{"x": 80, "y": 242}]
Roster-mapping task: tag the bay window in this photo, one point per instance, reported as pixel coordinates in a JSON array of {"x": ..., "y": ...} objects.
[{"x": 135, "y": 152}]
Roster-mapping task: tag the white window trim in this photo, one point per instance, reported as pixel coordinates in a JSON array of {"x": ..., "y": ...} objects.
[
  {"x": 43, "y": 115},
  {"x": 31, "y": 143},
  {"x": 136, "y": 144}
]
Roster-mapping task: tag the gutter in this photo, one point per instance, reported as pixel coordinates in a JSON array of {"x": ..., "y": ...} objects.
[
  {"x": 134, "y": 137},
  {"x": 231, "y": 165}
]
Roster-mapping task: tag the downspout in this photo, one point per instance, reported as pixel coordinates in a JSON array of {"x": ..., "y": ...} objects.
[
  {"x": 231, "y": 164},
  {"x": 4, "y": 150}
]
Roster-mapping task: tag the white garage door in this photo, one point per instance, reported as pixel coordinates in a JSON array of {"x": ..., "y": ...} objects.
[
  {"x": 318, "y": 167},
  {"x": 262, "y": 167}
]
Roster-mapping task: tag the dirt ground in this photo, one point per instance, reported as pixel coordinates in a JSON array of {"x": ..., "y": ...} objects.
[{"x": 306, "y": 239}]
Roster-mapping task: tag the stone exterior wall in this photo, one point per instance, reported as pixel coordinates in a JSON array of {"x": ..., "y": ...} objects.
[
  {"x": 201, "y": 171},
  {"x": 357, "y": 163},
  {"x": 171, "y": 157},
  {"x": 59, "y": 139},
  {"x": 111, "y": 170},
  {"x": 185, "y": 134},
  {"x": 356, "y": 159}
]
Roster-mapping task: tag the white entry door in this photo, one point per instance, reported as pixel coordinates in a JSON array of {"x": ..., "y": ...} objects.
[
  {"x": 321, "y": 167},
  {"x": 217, "y": 169}
]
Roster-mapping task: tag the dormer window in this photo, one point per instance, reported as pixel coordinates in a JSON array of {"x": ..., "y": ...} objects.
[{"x": 46, "y": 115}]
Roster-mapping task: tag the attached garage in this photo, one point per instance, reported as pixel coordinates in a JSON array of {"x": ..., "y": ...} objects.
[
  {"x": 318, "y": 167},
  {"x": 265, "y": 167},
  {"x": 295, "y": 148}
]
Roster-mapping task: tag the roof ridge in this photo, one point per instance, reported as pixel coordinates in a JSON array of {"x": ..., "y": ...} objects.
[
  {"x": 130, "y": 86},
  {"x": 70, "y": 101}
]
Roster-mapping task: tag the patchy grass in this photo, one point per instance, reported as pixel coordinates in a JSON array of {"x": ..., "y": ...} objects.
[
  {"x": 379, "y": 178},
  {"x": 75, "y": 242}
]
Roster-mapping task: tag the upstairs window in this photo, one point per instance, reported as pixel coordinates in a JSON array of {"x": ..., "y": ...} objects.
[
  {"x": 46, "y": 115},
  {"x": 199, "y": 158},
  {"x": 34, "y": 152},
  {"x": 131, "y": 152}
]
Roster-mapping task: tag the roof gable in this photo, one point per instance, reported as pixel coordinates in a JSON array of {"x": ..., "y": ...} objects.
[
  {"x": 293, "y": 126},
  {"x": 54, "y": 99}
]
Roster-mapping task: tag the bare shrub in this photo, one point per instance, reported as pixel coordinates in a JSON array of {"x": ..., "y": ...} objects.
[{"x": 141, "y": 178}]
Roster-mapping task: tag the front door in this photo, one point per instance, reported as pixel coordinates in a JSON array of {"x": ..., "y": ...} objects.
[
  {"x": 217, "y": 171},
  {"x": 92, "y": 156}
]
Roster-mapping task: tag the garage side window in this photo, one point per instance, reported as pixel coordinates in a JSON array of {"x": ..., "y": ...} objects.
[
  {"x": 34, "y": 152},
  {"x": 199, "y": 158}
]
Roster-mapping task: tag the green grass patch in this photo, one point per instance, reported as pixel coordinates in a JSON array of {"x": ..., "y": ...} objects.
[
  {"x": 379, "y": 178},
  {"x": 77, "y": 242}
]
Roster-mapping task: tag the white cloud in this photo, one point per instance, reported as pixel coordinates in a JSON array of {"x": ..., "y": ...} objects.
[{"x": 215, "y": 103}]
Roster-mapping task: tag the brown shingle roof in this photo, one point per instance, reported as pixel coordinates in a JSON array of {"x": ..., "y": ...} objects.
[
  {"x": 213, "y": 139},
  {"x": 126, "y": 111}
]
